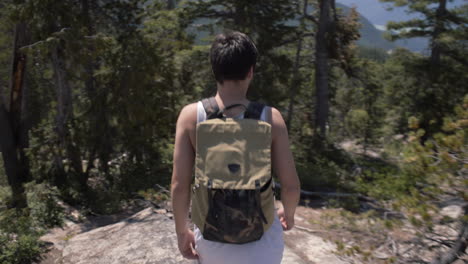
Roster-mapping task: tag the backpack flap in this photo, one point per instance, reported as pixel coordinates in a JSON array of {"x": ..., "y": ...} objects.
[{"x": 233, "y": 153}]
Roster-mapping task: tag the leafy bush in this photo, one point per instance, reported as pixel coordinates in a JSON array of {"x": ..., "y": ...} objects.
[
  {"x": 42, "y": 201},
  {"x": 322, "y": 166},
  {"x": 20, "y": 230},
  {"x": 19, "y": 238},
  {"x": 3, "y": 177},
  {"x": 356, "y": 122}
]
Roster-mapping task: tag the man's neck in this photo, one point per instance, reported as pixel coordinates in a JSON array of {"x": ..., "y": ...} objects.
[{"x": 232, "y": 92}]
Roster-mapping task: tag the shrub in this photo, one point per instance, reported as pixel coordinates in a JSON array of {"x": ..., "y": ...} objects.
[
  {"x": 19, "y": 238},
  {"x": 42, "y": 201}
]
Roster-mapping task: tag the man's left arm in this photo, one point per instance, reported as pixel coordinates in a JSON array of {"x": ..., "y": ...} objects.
[{"x": 181, "y": 178}]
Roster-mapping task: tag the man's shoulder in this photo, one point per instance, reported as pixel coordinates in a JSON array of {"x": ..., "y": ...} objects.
[{"x": 188, "y": 114}]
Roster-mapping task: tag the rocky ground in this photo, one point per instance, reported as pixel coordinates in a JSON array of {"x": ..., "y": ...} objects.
[
  {"x": 147, "y": 236},
  {"x": 144, "y": 234}
]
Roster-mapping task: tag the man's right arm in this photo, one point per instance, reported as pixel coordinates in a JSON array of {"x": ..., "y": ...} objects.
[{"x": 283, "y": 165}]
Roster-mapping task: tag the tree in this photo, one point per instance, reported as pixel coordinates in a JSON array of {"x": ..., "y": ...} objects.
[
  {"x": 321, "y": 65},
  {"x": 437, "y": 86},
  {"x": 266, "y": 22},
  {"x": 439, "y": 175},
  {"x": 334, "y": 41},
  {"x": 14, "y": 132},
  {"x": 446, "y": 28}
]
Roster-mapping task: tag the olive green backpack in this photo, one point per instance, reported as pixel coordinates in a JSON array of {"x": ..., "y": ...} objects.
[{"x": 232, "y": 194}]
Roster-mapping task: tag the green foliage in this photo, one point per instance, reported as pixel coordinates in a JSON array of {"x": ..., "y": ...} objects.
[
  {"x": 3, "y": 176},
  {"x": 356, "y": 122},
  {"x": 43, "y": 204},
  {"x": 372, "y": 53},
  {"x": 5, "y": 196},
  {"x": 322, "y": 166},
  {"x": 409, "y": 89},
  {"x": 351, "y": 204},
  {"x": 267, "y": 24},
  {"x": 6, "y": 42},
  {"x": 19, "y": 236},
  {"x": 154, "y": 195},
  {"x": 429, "y": 173}
]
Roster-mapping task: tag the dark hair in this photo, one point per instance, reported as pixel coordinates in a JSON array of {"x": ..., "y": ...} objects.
[{"x": 232, "y": 55}]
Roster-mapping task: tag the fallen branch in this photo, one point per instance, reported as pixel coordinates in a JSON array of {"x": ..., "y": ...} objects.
[{"x": 457, "y": 249}]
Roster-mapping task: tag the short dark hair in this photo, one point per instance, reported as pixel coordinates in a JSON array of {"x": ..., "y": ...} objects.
[{"x": 232, "y": 55}]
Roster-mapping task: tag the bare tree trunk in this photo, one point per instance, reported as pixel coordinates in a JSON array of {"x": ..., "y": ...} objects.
[
  {"x": 100, "y": 142},
  {"x": 321, "y": 67},
  {"x": 295, "y": 78},
  {"x": 64, "y": 114},
  {"x": 64, "y": 96},
  {"x": 14, "y": 131},
  {"x": 171, "y": 4},
  {"x": 439, "y": 28},
  {"x": 90, "y": 89},
  {"x": 11, "y": 161}
]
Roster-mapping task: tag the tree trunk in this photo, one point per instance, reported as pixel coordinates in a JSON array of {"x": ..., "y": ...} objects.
[
  {"x": 98, "y": 121},
  {"x": 295, "y": 78},
  {"x": 171, "y": 4},
  {"x": 90, "y": 88},
  {"x": 295, "y": 82},
  {"x": 14, "y": 129},
  {"x": 439, "y": 28},
  {"x": 321, "y": 67},
  {"x": 64, "y": 112},
  {"x": 11, "y": 161}
]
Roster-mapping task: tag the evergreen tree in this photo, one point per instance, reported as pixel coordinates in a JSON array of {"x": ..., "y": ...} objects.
[
  {"x": 266, "y": 22},
  {"x": 437, "y": 86},
  {"x": 445, "y": 27},
  {"x": 14, "y": 122}
]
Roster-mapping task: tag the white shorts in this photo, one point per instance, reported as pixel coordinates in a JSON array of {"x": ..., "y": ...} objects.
[{"x": 267, "y": 250}]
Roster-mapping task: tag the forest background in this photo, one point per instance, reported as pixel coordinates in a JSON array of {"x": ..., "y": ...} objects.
[{"x": 90, "y": 92}]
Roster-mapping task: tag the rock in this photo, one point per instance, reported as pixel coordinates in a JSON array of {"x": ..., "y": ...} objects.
[
  {"x": 311, "y": 248},
  {"x": 289, "y": 257},
  {"x": 146, "y": 237},
  {"x": 453, "y": 211},
  {"x": 380, "y": 253}
]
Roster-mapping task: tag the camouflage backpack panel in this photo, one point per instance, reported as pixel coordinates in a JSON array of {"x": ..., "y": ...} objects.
[{"x": 232, "y": 193}]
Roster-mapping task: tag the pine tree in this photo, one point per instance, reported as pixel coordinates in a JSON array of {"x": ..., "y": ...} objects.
[
  {"x": 444, "y": 26},
  {"x": 437, "y": 86},
  {"x": 266, "y": 22},
  {"x": 14, "y": 121}
]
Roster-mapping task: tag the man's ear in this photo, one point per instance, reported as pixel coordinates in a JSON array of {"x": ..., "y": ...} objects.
[{"x": 251, "y": 72}]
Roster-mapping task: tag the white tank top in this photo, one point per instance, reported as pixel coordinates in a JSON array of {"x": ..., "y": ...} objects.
[{"x": 267, "y": 250}]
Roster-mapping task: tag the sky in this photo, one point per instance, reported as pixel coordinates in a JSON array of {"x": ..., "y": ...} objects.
[{"x": 376, "y": 11}]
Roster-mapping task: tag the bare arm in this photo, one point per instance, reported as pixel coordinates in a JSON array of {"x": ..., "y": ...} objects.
[
  {"x": 283, "y": 165},
  {"x": 181, "y": 178}
]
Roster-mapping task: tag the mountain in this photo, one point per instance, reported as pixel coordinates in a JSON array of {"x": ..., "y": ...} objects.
[
  {"x": 374, "y": 38},
  {"x": 370, "y": 36},
  {"x": 379, "y": 13}
]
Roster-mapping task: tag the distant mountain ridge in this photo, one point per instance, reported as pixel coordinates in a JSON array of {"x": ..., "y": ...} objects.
[{"x": 373, "y": 37}]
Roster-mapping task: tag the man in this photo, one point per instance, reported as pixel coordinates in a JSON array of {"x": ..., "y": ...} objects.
[{"x": 233, "y": 57}]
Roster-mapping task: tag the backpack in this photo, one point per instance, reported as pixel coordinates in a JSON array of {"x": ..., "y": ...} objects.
[{"x": 232, "y": 192}]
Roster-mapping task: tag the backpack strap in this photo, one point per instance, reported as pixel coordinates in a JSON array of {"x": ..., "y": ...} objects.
[
  {"x": 254, "y": 110},
  {"x": 211, "y": 108}
]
